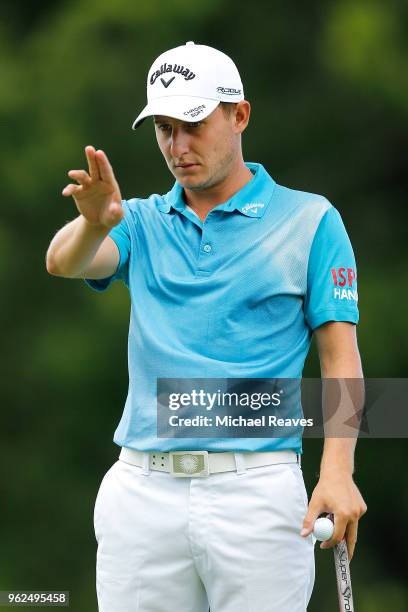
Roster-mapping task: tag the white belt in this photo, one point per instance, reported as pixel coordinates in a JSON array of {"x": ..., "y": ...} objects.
[{"x": 189, "y": 464}]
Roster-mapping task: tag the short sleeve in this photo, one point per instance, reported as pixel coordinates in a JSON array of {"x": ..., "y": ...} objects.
[
  {"x": 121, "y": 236},
  {"x": 331, "y": 277}
]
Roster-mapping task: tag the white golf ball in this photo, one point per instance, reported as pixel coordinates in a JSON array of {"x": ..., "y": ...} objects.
[{"x": 323, "y": 529}]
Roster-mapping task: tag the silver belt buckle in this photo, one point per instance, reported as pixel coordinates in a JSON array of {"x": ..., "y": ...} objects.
[{"x": 189, "y": 464}]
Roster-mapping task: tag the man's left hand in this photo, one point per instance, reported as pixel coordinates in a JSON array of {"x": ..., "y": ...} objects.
[{"x": 336, "y": 493}]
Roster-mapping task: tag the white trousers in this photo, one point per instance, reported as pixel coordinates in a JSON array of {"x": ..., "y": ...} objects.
[{"x": 229, "y": 541}]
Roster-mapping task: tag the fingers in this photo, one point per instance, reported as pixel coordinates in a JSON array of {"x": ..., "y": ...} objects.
[
  {"x": 99, "y": 169},
  {"x": 92, "y": 164},
  {"x": 351, "y": 538},
  {"x": 340, "y": 524},
  {"x": 81, "y": 177},
  {"x": 104, "y": 167},
  {"x": 313, "y": 512},
  {"x": 71, "y": 190}
]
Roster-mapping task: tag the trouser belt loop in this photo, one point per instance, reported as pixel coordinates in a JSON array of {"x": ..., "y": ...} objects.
[
  {"x": 146, "y": 464},
  {"x": 240, "y": 463}
]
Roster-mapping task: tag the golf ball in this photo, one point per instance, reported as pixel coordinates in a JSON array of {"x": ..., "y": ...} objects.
[{"x": 323, "y": 529}]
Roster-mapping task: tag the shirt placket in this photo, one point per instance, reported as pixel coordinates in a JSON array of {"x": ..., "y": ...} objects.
[{"x": 207, "y": 250}]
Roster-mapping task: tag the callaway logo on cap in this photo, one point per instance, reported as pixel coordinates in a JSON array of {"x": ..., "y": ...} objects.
[{"x": 189, "y": 82}]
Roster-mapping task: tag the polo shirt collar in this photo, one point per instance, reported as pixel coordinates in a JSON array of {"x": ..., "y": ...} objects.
[{"x": 252, "y": 200}]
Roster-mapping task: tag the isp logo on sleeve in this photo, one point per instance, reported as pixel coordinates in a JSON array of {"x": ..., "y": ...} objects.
[{"x": 344, "y": 280}]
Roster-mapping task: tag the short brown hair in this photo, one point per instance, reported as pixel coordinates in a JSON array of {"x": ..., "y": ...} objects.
[{"x": 228, "y": 107}]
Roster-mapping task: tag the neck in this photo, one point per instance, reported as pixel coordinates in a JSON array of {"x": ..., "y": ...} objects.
[{"x": 205, "y": 200}]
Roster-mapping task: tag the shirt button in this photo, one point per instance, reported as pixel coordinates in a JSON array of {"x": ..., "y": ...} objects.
[{"x": 207, "y": 248}]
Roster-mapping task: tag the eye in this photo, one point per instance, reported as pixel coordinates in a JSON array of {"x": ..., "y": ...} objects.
[
  {"x": 163, "y": 127},
  {"x": 194, "y": 125}
]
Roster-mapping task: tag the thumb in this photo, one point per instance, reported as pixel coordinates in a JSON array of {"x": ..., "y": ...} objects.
[
  {"x": 310, "y": 518},
  {"x": 113, "y": 215}
]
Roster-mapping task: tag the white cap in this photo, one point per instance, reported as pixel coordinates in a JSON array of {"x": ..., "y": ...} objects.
[{"x": 188, "y": 83}]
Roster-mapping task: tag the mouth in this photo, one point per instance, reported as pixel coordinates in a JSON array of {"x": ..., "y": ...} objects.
[{"x": 186, "y": 166}]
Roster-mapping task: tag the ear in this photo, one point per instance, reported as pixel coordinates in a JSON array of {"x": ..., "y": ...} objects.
[{"x": 241, "y": 116}]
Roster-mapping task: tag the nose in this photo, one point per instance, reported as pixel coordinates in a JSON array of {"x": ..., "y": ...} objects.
[{"x": 179, "y": 143}]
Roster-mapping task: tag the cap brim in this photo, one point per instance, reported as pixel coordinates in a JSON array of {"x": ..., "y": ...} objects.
[{"x": 184, "y": 108}]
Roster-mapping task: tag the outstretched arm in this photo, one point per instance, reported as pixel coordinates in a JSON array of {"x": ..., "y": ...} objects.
[{"x": 82, "y": 248}]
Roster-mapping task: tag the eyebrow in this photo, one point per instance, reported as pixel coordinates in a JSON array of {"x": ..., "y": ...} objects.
[{"x": 158, "y": 121}]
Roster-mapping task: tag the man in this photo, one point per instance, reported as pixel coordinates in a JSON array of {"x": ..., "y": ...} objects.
[{"x": 229, "y": 275}]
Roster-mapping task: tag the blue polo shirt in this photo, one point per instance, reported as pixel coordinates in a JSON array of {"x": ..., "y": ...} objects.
[{"x": 235, "y": 296}]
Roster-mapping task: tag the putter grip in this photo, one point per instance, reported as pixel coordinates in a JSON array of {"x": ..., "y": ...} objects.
[{"x": 343, "y": 577}]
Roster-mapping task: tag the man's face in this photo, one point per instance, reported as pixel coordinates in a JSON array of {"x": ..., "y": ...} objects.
[{"x": 200, "y": 154}]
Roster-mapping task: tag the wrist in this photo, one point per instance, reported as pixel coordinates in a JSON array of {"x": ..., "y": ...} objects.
[
  {"x": 338, "y": 456},
  {"x": 335, "y": 470},
  {"x": 96, "y": 228}
]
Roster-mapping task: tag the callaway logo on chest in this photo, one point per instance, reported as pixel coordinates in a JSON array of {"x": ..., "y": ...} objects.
[{"x": 164, "y": 68}]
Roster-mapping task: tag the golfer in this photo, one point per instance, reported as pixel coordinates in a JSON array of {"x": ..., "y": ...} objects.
[{"x": 230, "y": 275}]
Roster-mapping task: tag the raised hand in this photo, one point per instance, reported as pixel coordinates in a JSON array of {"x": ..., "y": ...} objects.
[{"x": 96, "y": 194}]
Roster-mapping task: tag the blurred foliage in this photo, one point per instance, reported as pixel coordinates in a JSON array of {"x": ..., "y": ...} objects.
[{"x": 328, "y": 87}]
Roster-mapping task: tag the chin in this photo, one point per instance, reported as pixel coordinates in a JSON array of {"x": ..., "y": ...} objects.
[{"x": 190, "y": 182}]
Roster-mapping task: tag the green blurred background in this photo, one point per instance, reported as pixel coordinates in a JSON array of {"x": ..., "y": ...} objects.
[{"x": 328, "y": 83}]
